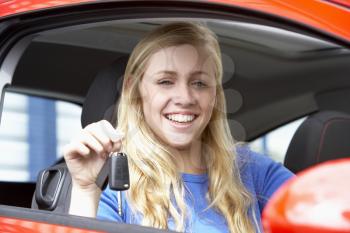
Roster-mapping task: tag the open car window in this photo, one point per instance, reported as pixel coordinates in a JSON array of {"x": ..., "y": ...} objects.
[{"x": 261, "y": 64}]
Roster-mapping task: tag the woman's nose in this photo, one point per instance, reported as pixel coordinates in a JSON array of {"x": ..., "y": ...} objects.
[{"x": 184, "y": 95}]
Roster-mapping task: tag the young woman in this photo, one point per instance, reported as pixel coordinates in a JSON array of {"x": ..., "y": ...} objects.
[{"x": 186, "y": 173}]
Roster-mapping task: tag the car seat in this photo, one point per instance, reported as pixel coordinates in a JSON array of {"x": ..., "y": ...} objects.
[
  {"x": 53, "y": 187},
  {"x": 321, "y": 137}
]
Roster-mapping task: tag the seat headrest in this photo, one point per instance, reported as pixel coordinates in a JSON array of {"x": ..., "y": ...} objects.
[
  {"x": 103, "y": 93},
  {"x": 321, "y": 137}
]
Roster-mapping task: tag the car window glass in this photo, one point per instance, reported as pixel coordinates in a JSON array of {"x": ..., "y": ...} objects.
[
  {"x": 33, "y": 132},
  {"x": 276, "y": 142}
]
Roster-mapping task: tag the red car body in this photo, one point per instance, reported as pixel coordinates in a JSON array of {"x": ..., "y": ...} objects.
[
  {"x": 317, "y": 201},
  {"x": 331, "y": 18}
]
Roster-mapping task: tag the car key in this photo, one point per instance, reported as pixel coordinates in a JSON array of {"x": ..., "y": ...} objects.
[
  {"x": 119, "y": 176},
  {"x": 113, "y": 163},
  {"x": 119, "y": 172}
]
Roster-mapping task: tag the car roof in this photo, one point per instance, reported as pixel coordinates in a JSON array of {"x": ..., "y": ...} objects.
[{"x": 329, "y": 16}]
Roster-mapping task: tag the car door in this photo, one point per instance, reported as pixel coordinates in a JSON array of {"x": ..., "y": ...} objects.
[{"x": 45, "y": 53}]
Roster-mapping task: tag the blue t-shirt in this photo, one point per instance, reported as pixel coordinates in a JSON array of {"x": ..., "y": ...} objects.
[{"x": 260, "y": 175}]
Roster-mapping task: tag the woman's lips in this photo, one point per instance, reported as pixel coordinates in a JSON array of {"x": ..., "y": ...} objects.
[{"x": 180, "y": 125}]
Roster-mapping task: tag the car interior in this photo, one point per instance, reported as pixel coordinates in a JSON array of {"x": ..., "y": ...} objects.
[{"x": 272, "y": 76}]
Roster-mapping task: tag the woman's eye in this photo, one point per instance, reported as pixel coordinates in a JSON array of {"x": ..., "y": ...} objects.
[
  {"x": 165, "y": 82},
  {"x": 199, "y": 84}
]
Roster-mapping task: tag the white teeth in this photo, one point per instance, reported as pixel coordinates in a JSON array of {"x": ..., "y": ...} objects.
[{"x": 180, "y": 117}]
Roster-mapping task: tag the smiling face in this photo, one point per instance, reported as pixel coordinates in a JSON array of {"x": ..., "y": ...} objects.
[{"x": 178, "y": 92}]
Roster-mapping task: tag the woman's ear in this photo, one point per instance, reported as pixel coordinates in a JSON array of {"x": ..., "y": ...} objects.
[{"x": 128, "y": 82}]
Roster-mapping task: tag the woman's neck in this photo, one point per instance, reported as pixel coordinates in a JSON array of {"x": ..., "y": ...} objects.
[{"x": 190, "y": 160}]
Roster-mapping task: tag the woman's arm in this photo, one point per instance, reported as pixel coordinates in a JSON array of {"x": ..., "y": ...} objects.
[
  {"x": 84, "y": 202},
  {"x": 85, "y": 157}
]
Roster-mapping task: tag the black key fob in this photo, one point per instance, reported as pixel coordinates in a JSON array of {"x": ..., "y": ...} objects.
[{"x": 119, "y": 172}]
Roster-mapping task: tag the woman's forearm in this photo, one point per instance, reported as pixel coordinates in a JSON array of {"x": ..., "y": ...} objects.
[{"x": 84, "y": 202}]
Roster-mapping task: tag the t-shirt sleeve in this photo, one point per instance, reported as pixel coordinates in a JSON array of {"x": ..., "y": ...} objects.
[
  {"x": 267, "y": 175},
  {"x": 270, "y": 176},
  {"x": 108, "y": 206}
]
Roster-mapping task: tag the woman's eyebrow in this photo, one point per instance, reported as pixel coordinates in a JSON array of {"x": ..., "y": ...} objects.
[
  {"x": 194, "y": 73},
  {"x": 166, "y": 72},
  {"x": 199, "y": 72}
]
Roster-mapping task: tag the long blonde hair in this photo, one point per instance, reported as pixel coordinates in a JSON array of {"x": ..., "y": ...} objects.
[{"x": 157, "y": 190}]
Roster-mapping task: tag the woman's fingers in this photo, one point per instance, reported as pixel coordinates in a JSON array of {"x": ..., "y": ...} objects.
[
  {"x": 90, "y": 140},
  {"x": 86, "y": 154},
  {"x": 96, "y": 131},
  {"x": 116, "y": 146},
  {"x": 113, "y": 134},
  {"x": 75, "y": 148},
  {"x": 100, "y": 138},
  {"x": 104, "y": 132}
]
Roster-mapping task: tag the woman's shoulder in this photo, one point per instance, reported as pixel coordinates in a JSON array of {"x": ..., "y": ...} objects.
[
  {"x": 265, "y": 174},
  {"x": 249, "y": 159}
]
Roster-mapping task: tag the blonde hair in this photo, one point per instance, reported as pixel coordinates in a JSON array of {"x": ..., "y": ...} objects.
[{"x": 157, "y": 191}]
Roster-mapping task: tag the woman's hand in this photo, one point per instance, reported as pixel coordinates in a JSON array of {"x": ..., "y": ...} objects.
[{"x": 86, "y": 154}]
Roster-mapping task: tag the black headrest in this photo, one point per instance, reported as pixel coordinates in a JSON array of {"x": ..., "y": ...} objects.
[
  {"x": 103, "y": 93},
  {"x": 321, "y": 137}
]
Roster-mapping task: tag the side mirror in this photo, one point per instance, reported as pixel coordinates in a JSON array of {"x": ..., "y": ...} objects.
[{"x": 316, "y": 201}]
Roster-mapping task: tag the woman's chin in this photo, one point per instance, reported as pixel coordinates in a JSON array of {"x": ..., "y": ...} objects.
[
  {"x": 181, "y": 147},
  {"x": 179, "y": 143}
]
